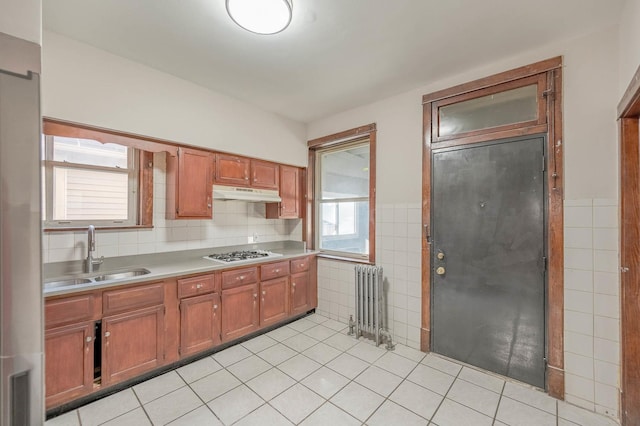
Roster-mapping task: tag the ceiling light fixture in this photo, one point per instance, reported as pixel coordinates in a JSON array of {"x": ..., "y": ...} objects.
[{"x": 261, "y": 16}]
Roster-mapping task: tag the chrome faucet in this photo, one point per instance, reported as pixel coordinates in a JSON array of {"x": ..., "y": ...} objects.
[{"x": 90, "y": 262}]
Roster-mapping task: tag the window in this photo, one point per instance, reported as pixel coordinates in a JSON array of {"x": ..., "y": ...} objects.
[
  {"x": 89, "y": 182},
  {"x": 343, "y": 192}
]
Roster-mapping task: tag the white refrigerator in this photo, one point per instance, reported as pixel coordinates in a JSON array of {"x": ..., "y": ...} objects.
[{"x": 21, "y": 302}]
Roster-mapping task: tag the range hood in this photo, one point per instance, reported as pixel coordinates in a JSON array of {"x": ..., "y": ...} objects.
[{"x": 245, "y": 194}]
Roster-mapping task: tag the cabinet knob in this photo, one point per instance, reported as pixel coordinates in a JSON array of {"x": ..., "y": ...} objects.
[
  {"x": 255, "y": 295},
  {"x": 107, "y": 333},
  {"x": 264, "y": 292},
  {"x": 89, "y": 339},
  {"x": 302, "y": 265},
  {"x": 277, "y": 271},
  {"x": 215, "y": 307},
  {"x": 241, "y": 277},
  {"x": 199, "y": 285}
]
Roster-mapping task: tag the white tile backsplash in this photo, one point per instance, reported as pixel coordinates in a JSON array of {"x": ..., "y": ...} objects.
[{"x": 234, "y": 222}]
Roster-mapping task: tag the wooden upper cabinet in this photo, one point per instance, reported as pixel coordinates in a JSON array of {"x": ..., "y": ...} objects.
[
  {"x": 189, "y": 184},
  {"x": 232, "y": 170},
  {"x": 291, "y": 194},
  {"x": 265, "y": 175}
]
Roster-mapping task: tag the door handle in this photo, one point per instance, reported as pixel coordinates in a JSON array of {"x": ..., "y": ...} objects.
[
  {"x": 440, "y": 255},
  {"x": 440, "y": 270}
]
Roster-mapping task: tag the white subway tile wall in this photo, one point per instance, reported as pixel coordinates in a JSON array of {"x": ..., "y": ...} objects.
[
  {"x": 592, "y": 314},
  {"x": 234, "y": 222},
  {"x": 592, "y": 324},
  {"x": 398, "y": 251}
]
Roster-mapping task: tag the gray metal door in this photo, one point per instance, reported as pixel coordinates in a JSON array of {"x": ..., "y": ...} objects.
[{"x": 488, "y": 248}]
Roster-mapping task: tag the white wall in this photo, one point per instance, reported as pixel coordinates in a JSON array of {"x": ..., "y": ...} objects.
[
  {"x": 234, "y": 222},
  {"x": 87, "y": 85},
  {"x": 590, "y": 80},
  {"x": 629, "y": 42},
  {"x": 590, "y": 77},
  {"x": 22, "y": 19}
]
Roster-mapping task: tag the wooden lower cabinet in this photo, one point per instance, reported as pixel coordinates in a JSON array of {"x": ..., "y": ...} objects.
[
  {"x": 274, "y": 301},
  {"x": 68, "y": 362},
  {"x": 148, "y": 325},
  {"x": 199, "y": 323},
  {"x": 239, "y": 311},
  {"x": 132, "y": 343},
  {"x": 300, "y": 293}
]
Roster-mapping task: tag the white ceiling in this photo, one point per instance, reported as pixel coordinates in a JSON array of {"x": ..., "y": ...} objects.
[{"x": 335, "y": 55}]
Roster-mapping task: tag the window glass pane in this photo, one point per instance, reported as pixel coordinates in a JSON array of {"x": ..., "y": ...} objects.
[
  {"x": 89, "y": 194},
  {"x": 508, "y": 107},
  {"x": 345, "y": 226},
  {"x": 345, "y": 173},
  {"x": 86, "y": 151}
]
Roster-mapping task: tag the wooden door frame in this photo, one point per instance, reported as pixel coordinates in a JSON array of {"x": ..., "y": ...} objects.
[
  {"x": 552, "y": 128},
  {"x": 629, "y": 118}
]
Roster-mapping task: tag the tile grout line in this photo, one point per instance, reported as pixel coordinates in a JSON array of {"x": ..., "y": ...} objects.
[
  {"x": 495, "y": 415},
  {"x": 142, "y": 405},
  {"x": 200, "y": 398},
  {"x": 404, "y": 379}
]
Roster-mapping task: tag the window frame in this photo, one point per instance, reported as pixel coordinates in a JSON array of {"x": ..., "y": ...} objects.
[
  {"x": 145, "y": 148},
  {"x": 337, "y": 141},
  {"x": 133, "y": 186}
]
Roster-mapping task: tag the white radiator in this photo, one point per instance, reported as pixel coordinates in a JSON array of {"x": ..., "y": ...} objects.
[{"x": 369, "y": 304}]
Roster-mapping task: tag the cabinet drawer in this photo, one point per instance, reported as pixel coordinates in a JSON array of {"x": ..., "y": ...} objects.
[
  {"x": 196, "y": 285},
  {"x": 274, "y": 270},
  {"x": 114, "y": 301},
  {"x": 299, "y": 265},
  {"x": 69, "y": 309},
  {"x": 239, "y": 277}
]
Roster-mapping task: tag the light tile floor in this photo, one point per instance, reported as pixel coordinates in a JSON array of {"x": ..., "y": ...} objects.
[{"x": 310, "y": 373}]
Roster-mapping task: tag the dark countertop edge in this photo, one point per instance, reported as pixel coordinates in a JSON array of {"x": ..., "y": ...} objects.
[{"x": 192, "y": 266}]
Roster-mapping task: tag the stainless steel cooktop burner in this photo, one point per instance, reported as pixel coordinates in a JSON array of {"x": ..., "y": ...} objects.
[{"x": 242, "y": 255}]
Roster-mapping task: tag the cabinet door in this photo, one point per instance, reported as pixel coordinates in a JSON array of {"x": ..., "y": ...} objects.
[
  {"x": 239, "y": 311},
  {"x": 132, "y": 344},
  {"x": 194, "y": 183},
  {"x": 68, "y": 362},
  {"x": 199, "y": 323},
  {"x": 299, "y": 293},
  {"x": 274, "y": 300},
  {"x": 232, "y": 170},
  {"x": 290, "y": 192},
  {"x": 265, "y": 175}
]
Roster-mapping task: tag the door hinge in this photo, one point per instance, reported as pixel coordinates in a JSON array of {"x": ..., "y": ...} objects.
[
  {"x": 178, "y": 153},
  {"x": 544, "y": 264},
  {"x": 544, "y": 163},
  {"x": 548, "y": 93}
]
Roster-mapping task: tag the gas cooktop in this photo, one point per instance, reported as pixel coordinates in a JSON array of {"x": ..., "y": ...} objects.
[{"x": 241, "y": 256}]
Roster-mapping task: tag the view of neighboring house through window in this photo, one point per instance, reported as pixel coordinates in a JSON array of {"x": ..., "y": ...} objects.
[
  {"x": 88, "y": 182},
  {"x": 342, "y": 193}
]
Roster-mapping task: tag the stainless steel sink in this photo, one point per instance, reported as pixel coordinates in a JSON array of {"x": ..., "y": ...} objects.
[
  {"x": 66, "y": 283},
  {"x": 121, "y": 275}
]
